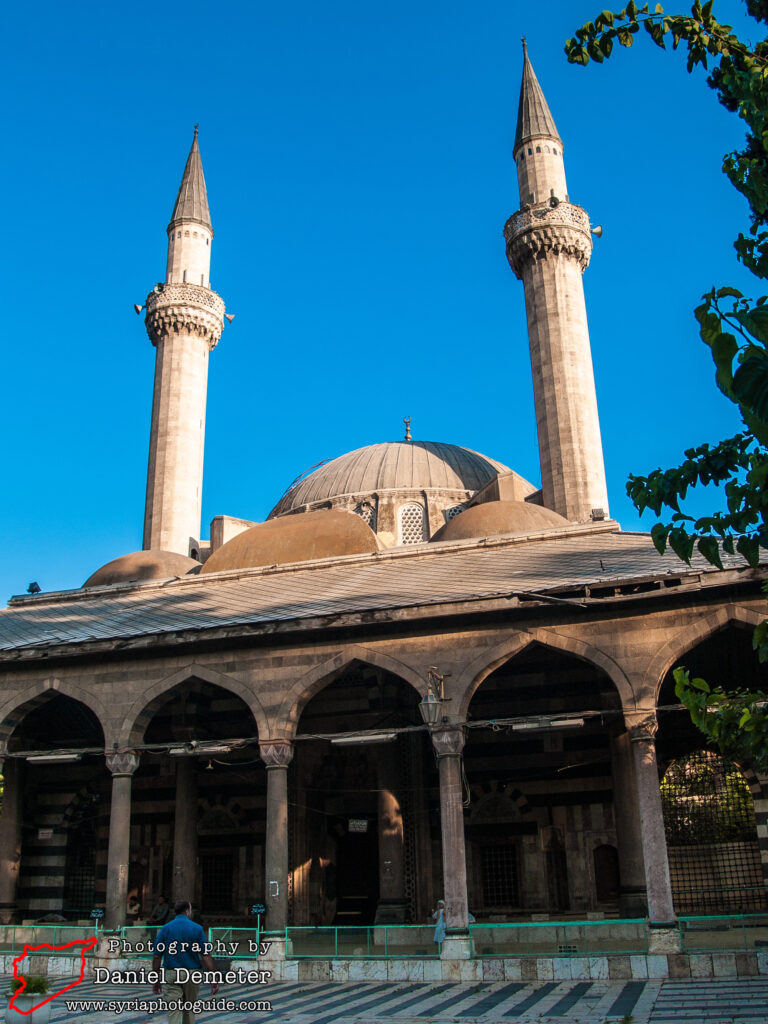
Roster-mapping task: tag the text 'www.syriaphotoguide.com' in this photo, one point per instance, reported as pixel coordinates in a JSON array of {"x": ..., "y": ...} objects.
[{"x": 164, "y": 1005}]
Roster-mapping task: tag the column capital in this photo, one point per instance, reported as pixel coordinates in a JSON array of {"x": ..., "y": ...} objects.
[
  {"x": 642, "y": 726},
  {"x": 276, "y": 753},
  {"x": 448, "y": 741},
  {"x": 122, "y": 762}
]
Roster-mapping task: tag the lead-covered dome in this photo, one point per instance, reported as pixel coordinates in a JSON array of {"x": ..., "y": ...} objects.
[
  {"x": 142, "y": 565},
  {"x": 393, "y": 466},
  {"x": 325, "y": 534},
  {"x": 495, "y": 518}
]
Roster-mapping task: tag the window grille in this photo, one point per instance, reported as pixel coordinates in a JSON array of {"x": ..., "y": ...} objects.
[
  {"x": 709, "y": 821},
  {"x": 452, "y": 512},
  {"x": 412, "y": 524},
  {"x": 499, "y": 867},
  {"x": 367, "y": 513}
]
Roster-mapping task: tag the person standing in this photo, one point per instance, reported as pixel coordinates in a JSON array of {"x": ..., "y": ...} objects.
[
  {"x": 189, "y": 939},
  {"x": 438, "y": 916}
]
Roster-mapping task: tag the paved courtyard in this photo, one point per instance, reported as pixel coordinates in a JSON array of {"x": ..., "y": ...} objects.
[{"x": 742, "y": 1001}]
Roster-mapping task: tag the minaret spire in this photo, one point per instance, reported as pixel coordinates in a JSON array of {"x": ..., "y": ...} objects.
[
  {"x": 184, "y": 323},
  {"x": 192, "y": 200},
  {"x": 549, "y": 246},
  {"x": 534, "y": 118}
]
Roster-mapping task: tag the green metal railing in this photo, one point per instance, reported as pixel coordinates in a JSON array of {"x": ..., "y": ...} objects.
[
  {"x": 402, "y": 941},
  {"x": 247, "y": 942},
  {"x": 561, "y": 938},
  {"x": 723, "y": 932},
  {"x": 13, "y": 937}
]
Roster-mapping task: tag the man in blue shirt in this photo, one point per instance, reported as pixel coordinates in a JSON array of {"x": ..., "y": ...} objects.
[{"x": 181, "y": 945}]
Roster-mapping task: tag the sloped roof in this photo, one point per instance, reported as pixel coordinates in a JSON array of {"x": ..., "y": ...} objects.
[
  {"x": 192, "y": 200},
  {"x": 421, "y": 576},
  {"x": 534, "y": 118}
]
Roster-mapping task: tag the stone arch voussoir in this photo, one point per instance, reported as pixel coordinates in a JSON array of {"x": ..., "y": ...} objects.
[
  {"x": 479, "y": 669},
  {"x": 14, "y": 710},
  {"x": 685, "y": 639},
  {"x": 144, "y": 707},
  {"x": 305, "y": 688}
]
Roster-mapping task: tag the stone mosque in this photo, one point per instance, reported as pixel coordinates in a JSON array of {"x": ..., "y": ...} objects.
[{"x": 422, "y": 677}]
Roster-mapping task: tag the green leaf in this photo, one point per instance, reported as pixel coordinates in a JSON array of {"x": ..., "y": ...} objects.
[
  {"x": 701, "y": 684},
  {"x": 756, "y": 322},
  {"x": 723, "y": 293},
  {"x": 659, "y": 537},
  {"x": 682, "y": 544},
  {"x": 750, "y": 384},
  {"x": 710, "y": 549},
  {"x": 749, "y": 549}
]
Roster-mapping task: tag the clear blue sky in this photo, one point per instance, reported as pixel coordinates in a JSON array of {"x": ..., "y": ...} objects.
[{"x": 359, "y": 169}]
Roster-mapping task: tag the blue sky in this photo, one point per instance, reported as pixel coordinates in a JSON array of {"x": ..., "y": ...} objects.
[{"x": 359, "y": 172}]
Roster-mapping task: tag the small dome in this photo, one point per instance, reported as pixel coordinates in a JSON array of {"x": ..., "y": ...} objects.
[
  {"x": 142, "y": 565},
  {"x": 393, "y": 465},
  {"x": 327, "y": 533},
  {"x": 493, "y": 518}
]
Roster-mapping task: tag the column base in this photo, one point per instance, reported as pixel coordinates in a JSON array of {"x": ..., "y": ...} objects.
[
  {"x": 663, "y": 937},
  {"x": 456, "y": 947}
]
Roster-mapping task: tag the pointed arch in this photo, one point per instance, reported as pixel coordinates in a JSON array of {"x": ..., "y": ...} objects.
[
  {"x": 478, "y": 670},
  {"x": 144, "y": 707},
  {"x": 14, "y": 710},
  {"x": 688, "y": 637},
  {"x": 318, "y": 677}
]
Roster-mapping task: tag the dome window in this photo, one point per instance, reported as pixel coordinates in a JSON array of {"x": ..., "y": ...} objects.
[
  {"x": 413, "y": 524},
  {"x": 452, "y": 512},
  {"x": 367, "y": 513}
]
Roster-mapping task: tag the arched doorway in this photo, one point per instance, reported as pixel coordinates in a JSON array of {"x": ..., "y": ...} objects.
[
  {"x": 541, "y": 787},
  {"x": 57, "y": 753},
  {"x": 199, "y": 804},
  {"x": 359, "y": 821},
  {"x": 717, "y": 862}
]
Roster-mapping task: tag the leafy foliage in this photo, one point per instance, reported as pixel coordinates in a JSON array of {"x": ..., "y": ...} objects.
[
  {"x": 735, "y": 329},
  {"x": 735, "y": 720},
  {"x": 37, "y": 985}
]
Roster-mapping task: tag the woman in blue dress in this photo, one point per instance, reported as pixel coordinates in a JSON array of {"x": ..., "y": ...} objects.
[{"x": 439, "y": 917}]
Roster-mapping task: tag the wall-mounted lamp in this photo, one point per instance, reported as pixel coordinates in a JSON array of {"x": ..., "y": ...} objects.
[{"x": 431, "y": 706}]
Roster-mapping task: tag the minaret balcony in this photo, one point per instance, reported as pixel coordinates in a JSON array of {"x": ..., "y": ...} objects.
[
  {"x": 549, "y": 228},
  {"x": 184, "y": 309}
]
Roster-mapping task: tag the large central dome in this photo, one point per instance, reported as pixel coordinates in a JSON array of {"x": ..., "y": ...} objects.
[{"x": 393, "y": 466}]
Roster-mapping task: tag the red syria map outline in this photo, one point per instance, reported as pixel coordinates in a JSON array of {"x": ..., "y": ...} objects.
[{"x": 85, "y": 945}]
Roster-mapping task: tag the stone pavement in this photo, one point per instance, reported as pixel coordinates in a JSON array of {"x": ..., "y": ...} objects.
[{"x": 726, "y": 1001}]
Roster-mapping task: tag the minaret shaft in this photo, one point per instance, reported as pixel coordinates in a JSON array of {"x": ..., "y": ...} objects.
[
  {"x": 177, "y": 439},
  {"x": 184, "y": 323},
  {"x": 549, "y": 246}
]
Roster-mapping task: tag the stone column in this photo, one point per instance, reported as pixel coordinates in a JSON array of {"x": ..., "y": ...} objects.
[
  {"x": 185, "y": 831},
  {"x": 449, "y": 743},
  {"x": 10, "y": 839},
  {"x": 391, "y": 908},
  {"x": 633, "y": 896},
  {"x": 122, "y": 764},
  {"x": 277, "y": 756},
  {"x": 661, "y": 912}
]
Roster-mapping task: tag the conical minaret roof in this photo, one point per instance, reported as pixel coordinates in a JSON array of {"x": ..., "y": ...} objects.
[
  {"x": 192, "y": 200},
  {"x": 534, "y": 118}
]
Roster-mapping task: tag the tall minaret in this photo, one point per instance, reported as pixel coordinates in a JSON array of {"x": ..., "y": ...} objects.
[
  {"x": 548, "y": 247},
  {"x": 184, "y": 323}
]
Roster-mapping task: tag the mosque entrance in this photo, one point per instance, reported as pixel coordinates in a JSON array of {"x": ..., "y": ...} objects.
[
  {"x": 358, "y": 877},
  {"x": 359, "y": 839}
]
